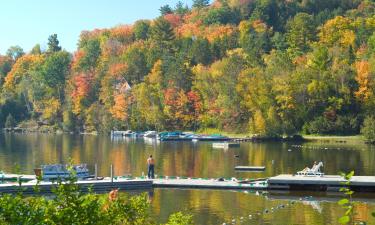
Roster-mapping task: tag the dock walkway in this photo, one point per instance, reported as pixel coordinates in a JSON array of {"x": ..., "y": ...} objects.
[
  {"x": 281, "y": 182},
  {"x": 208, "y": 184},
  {"x": 321, "y": 183},
  {"x": 96, "y": 185}
]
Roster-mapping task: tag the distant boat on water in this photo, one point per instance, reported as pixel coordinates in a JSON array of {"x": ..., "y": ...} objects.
[{"x": 150, "y": 134}]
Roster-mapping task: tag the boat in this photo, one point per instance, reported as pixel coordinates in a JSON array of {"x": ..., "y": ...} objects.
[
  {"x": 225, "y": 144},
  {"x": 213, "y": 137},
  {"x": 62, "y": 171},
  {"x": 250, "y": 168},
  {"x": 150, "y": 134},
  {"x": 170, "y": 136},
  {"x": 126, "y": 133}
]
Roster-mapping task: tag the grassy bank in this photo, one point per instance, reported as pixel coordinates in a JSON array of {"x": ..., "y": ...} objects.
[{"x": 225, "y": 133}]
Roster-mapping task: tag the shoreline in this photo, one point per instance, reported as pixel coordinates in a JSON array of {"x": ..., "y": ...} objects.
[{"x": 231, "y": 135}]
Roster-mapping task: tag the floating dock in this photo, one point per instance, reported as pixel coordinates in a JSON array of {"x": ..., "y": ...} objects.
[
  {"x": 209, "y": 184},
  {"x": 250, "y": 168},
  {"x": 104, "y": 185},
  {"x": 283, "y": 182},
  {"x": 321, "y": 183},
  {"x": 225, "y": 145}
]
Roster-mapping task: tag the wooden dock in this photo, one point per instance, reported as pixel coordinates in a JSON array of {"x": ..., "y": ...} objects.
[{"x": 321, "y": 183}]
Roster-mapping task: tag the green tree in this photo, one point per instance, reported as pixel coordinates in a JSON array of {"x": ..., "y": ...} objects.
[
  {"x": 53, "y": 44},
  {"x": 368, "y": 129},
  {"x": 300, "y": 32},
  {"x": 15, "y": 52},
  {"x": 55, "y": 71},
  {"x": 201, "y": 52},
  {"x": 162, "y": 31},
  {"x": 5, "y": 67},
  {"x": 141, "y": 29},
  {"x": 200, "y": 3},
  {"x": 137, "y": 68},
  {"x": 180, "y": 9},
  {"x": 36, "y": 50},
  {"x": 222, "y": 15},
  {"x": 165, "y": 9}
]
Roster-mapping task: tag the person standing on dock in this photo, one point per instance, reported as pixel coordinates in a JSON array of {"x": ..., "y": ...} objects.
[{"x": 150, "y": 167}]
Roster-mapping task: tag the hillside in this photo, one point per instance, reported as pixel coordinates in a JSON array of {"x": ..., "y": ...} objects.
[{"x": 271, "y": 67}]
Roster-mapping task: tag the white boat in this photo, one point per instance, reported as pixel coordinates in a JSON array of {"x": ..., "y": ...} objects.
[
  {"x": 56, "y": 171},
  {"x": 125, "y": 133},
  {"x": 150, "y": 134},
  {"x": 225, "y": 144}
]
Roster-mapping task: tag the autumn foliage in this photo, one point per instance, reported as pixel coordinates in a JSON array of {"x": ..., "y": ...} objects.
[{"x": 263, "y": 67}]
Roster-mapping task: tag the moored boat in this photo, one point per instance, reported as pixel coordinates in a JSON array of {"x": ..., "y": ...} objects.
[
  {"x": 150, "y": 134},
  {"x": 62, "y": 171}
]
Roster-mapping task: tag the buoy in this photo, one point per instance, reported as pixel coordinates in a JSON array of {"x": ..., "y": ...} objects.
[{"x": 289, "y": 150}]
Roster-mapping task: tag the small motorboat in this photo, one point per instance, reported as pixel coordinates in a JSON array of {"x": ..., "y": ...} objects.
[
  {"x": 150, "y": 134},
  {"x": 62, "y": 171}
]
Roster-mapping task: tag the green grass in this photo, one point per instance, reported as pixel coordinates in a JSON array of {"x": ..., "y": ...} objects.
[
  {"x": 325, "y": 137},
  {"x": 225, "y": 133}
]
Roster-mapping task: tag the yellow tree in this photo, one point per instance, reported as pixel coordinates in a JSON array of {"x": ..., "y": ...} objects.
[
  {"x": 339, "y": 30},
  {"x": 363, "y": 78}
]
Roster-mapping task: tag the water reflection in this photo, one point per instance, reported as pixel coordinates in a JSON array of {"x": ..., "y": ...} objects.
[
  {"x": 218, "y": 207},
  {"x": 180, "y": 158},
  {"x": 190, "y": 159}
]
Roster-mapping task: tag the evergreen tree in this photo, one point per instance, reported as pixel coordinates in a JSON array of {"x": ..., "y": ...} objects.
[
  {"x": 165, "y": 9},
  {"x": 53, "y": 43},
  {"x": 200, "y": 3},
  {"x": 180, "y": 8}
]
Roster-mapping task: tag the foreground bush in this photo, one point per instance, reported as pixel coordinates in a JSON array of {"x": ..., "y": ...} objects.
[{"x": 70, "y": 206}]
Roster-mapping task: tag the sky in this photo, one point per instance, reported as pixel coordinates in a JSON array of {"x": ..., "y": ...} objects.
[{"x": 29, "y": 22}]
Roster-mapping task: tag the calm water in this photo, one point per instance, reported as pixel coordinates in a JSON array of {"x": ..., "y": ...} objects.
[{"x": 200, "y": 160}]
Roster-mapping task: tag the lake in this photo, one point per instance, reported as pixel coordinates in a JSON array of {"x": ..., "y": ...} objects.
[{"x": 24, "y": 152}]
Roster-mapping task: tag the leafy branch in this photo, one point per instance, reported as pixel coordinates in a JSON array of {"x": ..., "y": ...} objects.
[{"x": 347, "y": 203}]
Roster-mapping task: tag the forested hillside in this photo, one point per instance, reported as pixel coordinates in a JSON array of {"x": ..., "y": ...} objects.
[{"x": 270, "y": 67}]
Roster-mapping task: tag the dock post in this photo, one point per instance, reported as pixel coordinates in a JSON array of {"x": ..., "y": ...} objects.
[
  {"x": 96, "y": 171},
  {"x": 111, "y": 173}
]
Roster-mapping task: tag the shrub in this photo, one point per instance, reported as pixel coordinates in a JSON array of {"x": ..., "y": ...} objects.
[{"x": 70, "y": 206}]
